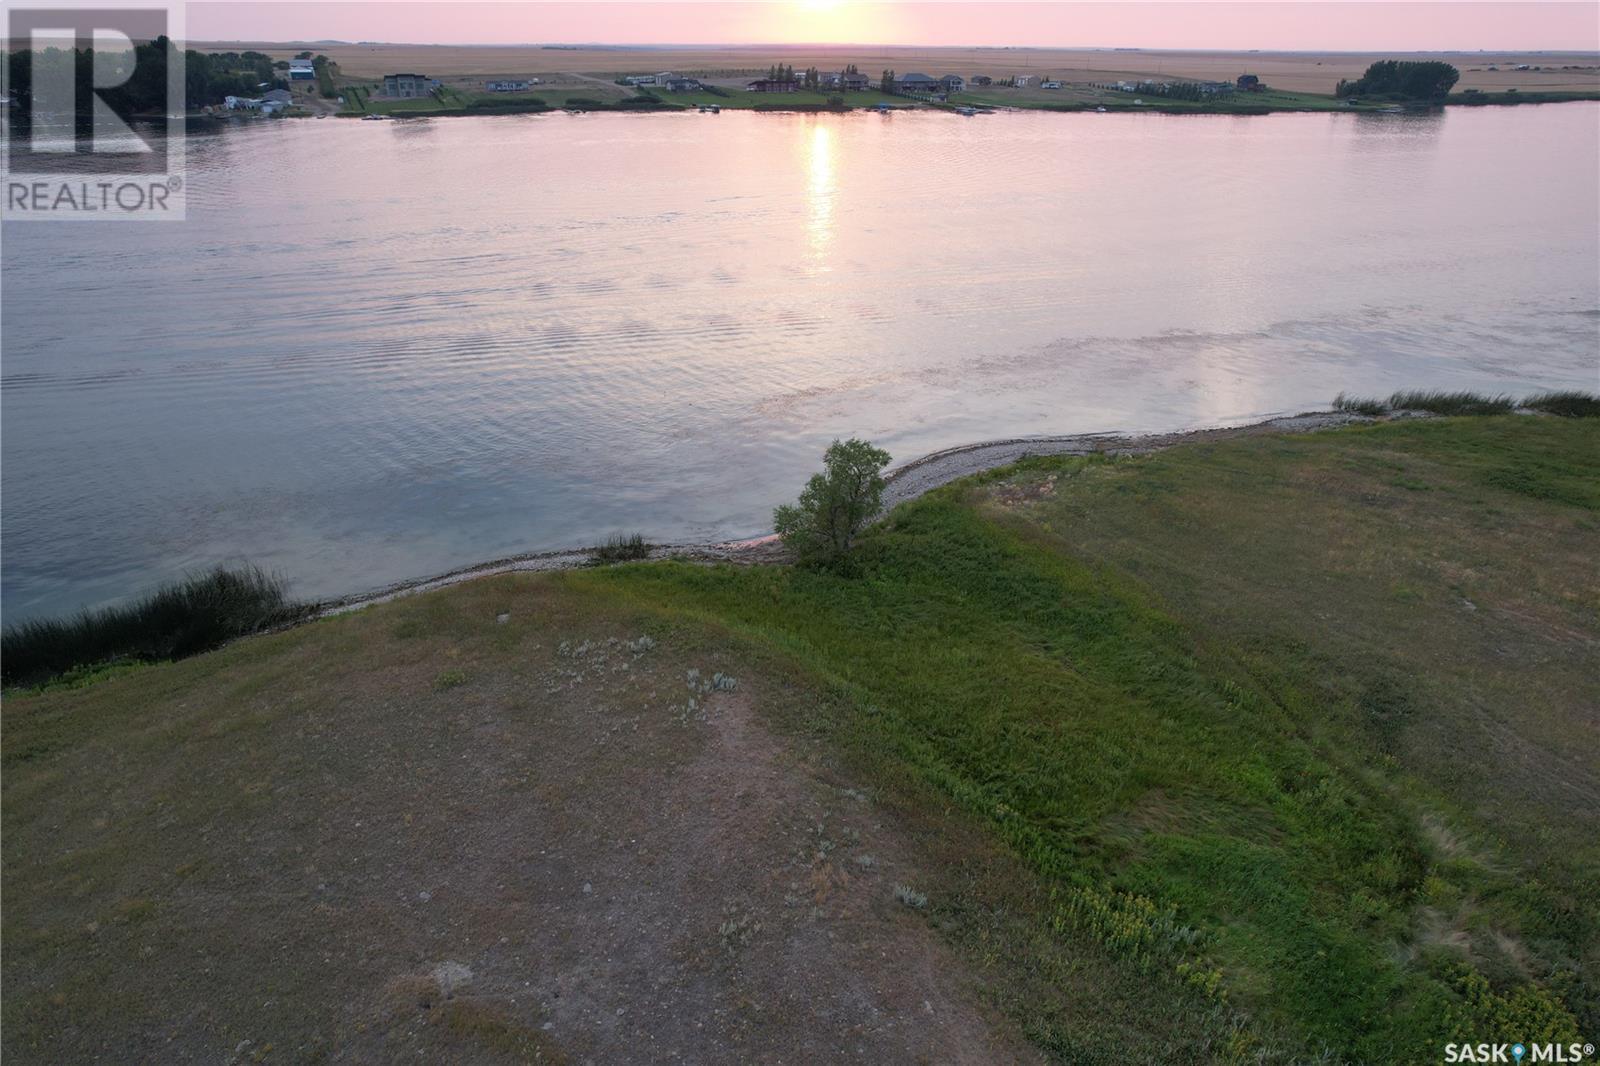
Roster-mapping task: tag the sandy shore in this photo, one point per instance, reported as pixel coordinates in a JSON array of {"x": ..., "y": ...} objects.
[{"x": 906, "y": 482}]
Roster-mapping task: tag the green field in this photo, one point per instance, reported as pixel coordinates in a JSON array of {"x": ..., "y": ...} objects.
[
  {"x": 364, "y": 99},
  {"x": 739, "y": 99},
  {"x": 1279, "y": 748},
  {"x": 1086, "y": 98}
]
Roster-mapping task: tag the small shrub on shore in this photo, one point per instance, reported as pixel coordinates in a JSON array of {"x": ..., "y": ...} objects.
[
  {"x": 1440, "y": 402},
  {"x": 621, "y": 550},
  {"x": 196, "y": 614},
  {"x": 835, "y": 505},
  {"x": 1569, "y": 403}
]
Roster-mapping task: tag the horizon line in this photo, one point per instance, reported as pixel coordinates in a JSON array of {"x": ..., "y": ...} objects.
[{"x": 621, "y": 46}]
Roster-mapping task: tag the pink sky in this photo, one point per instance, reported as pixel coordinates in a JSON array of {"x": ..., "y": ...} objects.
[{"x": 1373, "y": 26}]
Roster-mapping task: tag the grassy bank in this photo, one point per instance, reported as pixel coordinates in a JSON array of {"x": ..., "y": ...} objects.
[
  {"x": 187, "y": 617},
  {"x": 1275, "y": 749},
  {"x": 1239, "y": 704},
  {"x": 1087, "y": 98},
  {"x": 1478, "y": 98}
]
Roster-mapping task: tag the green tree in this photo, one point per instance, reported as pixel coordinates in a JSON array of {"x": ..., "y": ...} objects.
[
  {"x": 887, "y": 83},
  {"x": 1430, "y": 80},
  {"x": 836, "y": 505}
]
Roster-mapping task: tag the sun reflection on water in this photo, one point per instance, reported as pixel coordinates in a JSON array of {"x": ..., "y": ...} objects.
[{"x": 820, "y": 195}]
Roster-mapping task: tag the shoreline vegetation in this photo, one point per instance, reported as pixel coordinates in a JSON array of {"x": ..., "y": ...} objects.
[
  {"x": 204, "y": 610},
  {"x": 1267, "y": 103},
  {"x": 1272, "y": 747}
]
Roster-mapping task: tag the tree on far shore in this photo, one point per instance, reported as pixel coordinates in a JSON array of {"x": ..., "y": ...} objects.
[{"x": 1403, "y": 80}]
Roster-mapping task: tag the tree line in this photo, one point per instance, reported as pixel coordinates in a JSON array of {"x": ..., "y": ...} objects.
[
  {"x": 208, "y": 77},
  {"x": 1403, "y": 80}
]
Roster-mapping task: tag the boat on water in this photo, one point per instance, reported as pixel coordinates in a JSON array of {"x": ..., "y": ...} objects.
[
  {"x": 967, "y": 111},
  {"x": 1101, "y": 109}
]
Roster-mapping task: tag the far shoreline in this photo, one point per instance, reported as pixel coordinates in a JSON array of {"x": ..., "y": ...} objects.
[{"x": 1498, "y": 100}]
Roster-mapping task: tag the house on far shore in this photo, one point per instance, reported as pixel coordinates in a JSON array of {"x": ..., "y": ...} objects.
[
  {"x": 282, "y": 97},
  {"x": 511, "y": 85},
  {"x": 772, "y": 85},
  {"x": 408, "y": 86},
  {"x": 1250, "y": 83},
  {"x": 982, "y": 79},
  {"x": 854, "y": 81},
  {"x": 1049, "y": 85},
  {"x": 683, "y": 85},
  {"x": 241, "y": 103},
  {"x": 1021, "y": 80},
  {"x": 302, "y": 70},
  {"x": 639, "y": 79},
  {"x": 952, "y": 83},
  {"x": 916, "y": 83}
]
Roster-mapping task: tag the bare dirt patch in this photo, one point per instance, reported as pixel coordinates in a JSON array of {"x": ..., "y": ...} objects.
[{"x": 588, "y": 845}]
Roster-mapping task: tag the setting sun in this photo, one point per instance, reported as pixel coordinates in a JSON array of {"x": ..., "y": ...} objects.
[{"x": 826, "y": 21}]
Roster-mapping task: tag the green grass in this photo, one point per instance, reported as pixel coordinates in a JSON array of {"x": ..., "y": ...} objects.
[
  {"x": 1360, "y": 405},
  {"x": 1439, "y": 402},
  {"x": 185, "y": 618},
  {"x": 1302, "y": 805},
  {"x": 1478, "y": 98},
  {"x": 1076, "y": 97},
  {"x": 620, "y": 549},
  {"x": 738, "y": 99},
  {"x": 1287, "y": 739},
  {"x": 1568, "y": 403}
]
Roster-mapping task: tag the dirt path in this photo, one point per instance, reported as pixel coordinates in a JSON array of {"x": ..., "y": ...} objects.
[{"x": 439, "y": 836}]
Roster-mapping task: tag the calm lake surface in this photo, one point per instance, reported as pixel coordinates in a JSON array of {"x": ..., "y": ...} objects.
[{"x": 378, "y": 351}]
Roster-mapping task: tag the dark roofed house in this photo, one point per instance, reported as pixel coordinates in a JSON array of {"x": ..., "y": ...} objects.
[
  {"x": 855, "y": 81},
  {"x": 916, "y": 83},
  {"x": 772, "y": 85},
  {"x": 1249, "y": 82},
  {"x": 983, "y": 79},
  {"x": 952, "y": 83},
  {"x": 407, "y": 86},
  {"x": 683, "y": 85}
]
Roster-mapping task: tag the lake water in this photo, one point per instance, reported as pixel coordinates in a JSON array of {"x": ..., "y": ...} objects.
[{"x": 383, "y": 350}]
